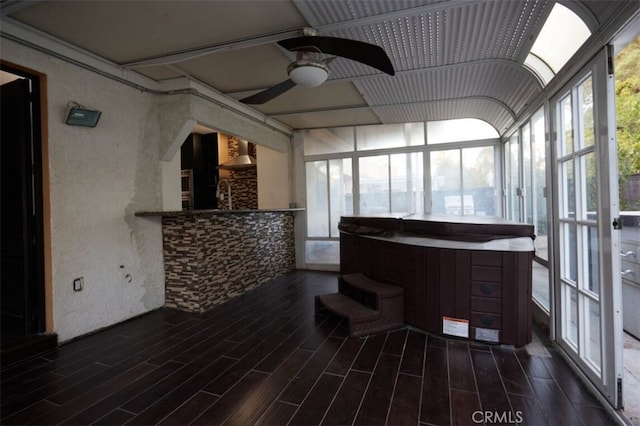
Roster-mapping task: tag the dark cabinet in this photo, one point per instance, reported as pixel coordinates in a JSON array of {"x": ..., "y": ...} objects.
[{"x": 199, "y": 161}]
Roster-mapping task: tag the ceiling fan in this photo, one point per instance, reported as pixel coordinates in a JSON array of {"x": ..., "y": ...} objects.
[{"x": 311, "y": 67}]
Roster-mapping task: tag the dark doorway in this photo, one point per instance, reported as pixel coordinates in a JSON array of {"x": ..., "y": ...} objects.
[
  {"x": 199, "y": 163},
  {"x": 21, "y": 234}
]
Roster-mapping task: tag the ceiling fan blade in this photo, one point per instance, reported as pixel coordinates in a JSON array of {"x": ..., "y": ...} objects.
[
  {"x": 328, "y": 60},
  {"x": 268, "y": 94},
  {"x": 369, "y": 54}
]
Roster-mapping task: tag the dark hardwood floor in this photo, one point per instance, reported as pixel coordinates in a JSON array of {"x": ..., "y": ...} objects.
[{"x": 265, "y": 358}]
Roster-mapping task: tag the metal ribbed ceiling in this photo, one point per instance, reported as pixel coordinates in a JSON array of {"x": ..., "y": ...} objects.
[{"x": 453, "y": 59}]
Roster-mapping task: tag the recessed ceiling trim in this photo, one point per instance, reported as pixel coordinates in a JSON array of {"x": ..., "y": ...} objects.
[{"x": 312, "y": 110}]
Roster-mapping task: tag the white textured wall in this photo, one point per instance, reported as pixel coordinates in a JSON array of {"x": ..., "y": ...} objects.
[
  {"x": 99, "y": 177},
  {"x": 171, "y": 186},
  {"x": 273, "y": 178},
  {"x": 299, "y": 192}
]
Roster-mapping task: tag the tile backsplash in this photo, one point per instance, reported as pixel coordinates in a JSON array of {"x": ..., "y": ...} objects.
[{"x": 210, "y": 259}]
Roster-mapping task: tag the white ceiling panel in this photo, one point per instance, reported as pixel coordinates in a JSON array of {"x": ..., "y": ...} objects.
[
  {"x": 483, "y": 109},
  {"x": 453, "y": 58},
  {"x": 231, "y": 71},
  {"x": 129, "y": 30},
  {"x": 506, "y": 82},
  {"x": 434, "y": 36},
  {"x": 322, "y": 12}
]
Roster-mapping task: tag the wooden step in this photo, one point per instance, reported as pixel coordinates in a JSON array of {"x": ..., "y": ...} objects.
[
  {"x": 364, "y": 283},
  {"x": 368, "y": 306},
  {"x": 345, "y": 307},
  {"x": 361, "y": 320}
]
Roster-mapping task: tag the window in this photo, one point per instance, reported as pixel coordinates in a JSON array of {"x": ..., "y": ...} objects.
[
  {"x": 340, "y": 192},
  {"x": 525, "y": 188},
  {"x": 329, "y": 196},
  {"x": 464, "y": 129},
  {"x": 527, "y": 184},
  {"x": 389, "y": 136},
  {"x": 374, "y": 184},
  {"x": 317, "y": 199},
  {"x": 512, "y": 173},
  {"x": 391, "y": 183},
  {"x": 463, "y": 181},
  {"x": 328, "y": 141},
  {"x": 407, "y": 183},
  {"x": 539, "y": 186},
  {"x": 380, "y": 169}
]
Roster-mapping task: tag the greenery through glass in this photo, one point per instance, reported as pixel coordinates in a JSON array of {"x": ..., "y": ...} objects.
[{"x": 627, "y": 71}]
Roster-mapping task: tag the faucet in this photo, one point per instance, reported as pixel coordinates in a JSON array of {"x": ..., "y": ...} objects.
[{"x": 220, "y": 194}]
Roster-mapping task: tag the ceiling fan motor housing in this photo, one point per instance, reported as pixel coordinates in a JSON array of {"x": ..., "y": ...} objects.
[
  {"x": 308, "y": 73},
  {"x": 314, "y": 53}
]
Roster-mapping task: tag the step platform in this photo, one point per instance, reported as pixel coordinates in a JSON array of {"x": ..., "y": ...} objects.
[{"x": 368, "y": 306}]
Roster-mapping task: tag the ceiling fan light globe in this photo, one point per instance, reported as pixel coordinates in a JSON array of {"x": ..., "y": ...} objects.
[{"x": 308, "y": 75}]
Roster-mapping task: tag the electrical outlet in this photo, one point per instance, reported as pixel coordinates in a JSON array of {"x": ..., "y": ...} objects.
[{"x": 78, "y": 284}]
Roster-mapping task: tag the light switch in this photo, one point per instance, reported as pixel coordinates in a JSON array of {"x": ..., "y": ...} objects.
[{"x": 78, "y": 284}]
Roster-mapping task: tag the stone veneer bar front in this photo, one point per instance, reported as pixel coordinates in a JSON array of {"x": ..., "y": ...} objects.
[{"x": 211, "y": 256}]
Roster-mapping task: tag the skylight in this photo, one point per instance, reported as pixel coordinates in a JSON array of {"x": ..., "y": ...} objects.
[{"x": 561, "y": 36}]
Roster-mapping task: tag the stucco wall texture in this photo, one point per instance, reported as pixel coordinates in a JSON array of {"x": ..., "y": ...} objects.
[{"x": 98, "y": 178}]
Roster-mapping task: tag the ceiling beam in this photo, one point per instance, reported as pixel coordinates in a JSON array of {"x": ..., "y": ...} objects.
[
  {"x": 498, "y": 102},
  {"x": 184, "y": 55}
]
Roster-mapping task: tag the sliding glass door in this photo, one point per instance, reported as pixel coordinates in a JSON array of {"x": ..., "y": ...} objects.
[{"x": 588, "y": 321}]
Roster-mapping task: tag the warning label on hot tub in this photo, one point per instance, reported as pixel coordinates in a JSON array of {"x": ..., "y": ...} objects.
[
  {"x": 455, "y": 327},
  {"x": 487, "y": 334}
]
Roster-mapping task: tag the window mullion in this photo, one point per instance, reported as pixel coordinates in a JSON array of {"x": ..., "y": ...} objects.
[
  {"x": 426, "y": 179},
  {"x": 328, "y": 198},
  {"x": 461, "y": 184},
  {"x": 355, "y": 168},
  {"x": 389, "y": 181}
]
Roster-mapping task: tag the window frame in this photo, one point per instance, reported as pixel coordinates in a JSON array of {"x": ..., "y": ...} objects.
[{"x": 426, "y": 149}]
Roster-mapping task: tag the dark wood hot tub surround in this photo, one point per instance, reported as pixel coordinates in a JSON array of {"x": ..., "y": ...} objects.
[{"x": 489, "y": 288}]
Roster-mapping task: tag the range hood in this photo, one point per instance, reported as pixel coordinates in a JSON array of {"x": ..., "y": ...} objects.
[{"x": 243, "y": 160}]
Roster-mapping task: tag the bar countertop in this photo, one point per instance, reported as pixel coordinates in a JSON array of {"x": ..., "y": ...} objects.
[{"x": 173, "y": 213}]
